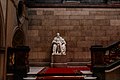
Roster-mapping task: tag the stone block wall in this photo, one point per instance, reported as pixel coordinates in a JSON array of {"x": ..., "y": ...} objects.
[{"x": 80, "y": 27}]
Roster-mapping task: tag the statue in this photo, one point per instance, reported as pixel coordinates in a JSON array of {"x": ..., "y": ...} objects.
[{"x": 59, "y": 47}]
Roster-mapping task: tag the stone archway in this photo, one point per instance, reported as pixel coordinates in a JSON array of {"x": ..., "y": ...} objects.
[{"x": 18, "y": 38}]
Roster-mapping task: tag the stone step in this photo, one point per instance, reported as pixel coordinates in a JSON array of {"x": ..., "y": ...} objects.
[
  {"x": 29, "y": 78},
  {"x": 90, "y": 78},
  {"x": 85, "y": 78},
  {"x": 87, "y": 74}
]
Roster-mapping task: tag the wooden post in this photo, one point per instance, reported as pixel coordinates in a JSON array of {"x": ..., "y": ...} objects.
[
  {"x": 97, "y": 57},
  {"x": 17, "y": 62},
  {"x": 21, "y": 65},
  {"x": 99, "y": 72}
]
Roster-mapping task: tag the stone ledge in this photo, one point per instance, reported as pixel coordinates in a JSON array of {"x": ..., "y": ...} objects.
[
  {"x": 58, "y": 65},
  {"x": 69, "y": 64},
  {"x": 67, "y": 5}
]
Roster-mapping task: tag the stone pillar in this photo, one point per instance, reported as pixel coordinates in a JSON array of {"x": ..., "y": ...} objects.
[
  {"x": 59, "y": 61},
  {"x": 2, "y": 56}
]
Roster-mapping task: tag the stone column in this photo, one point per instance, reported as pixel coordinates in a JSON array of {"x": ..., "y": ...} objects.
[{"x": 2, "y": 56}]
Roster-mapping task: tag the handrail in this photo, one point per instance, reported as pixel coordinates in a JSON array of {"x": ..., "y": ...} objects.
[
  {"x": 105, "y": 59},
  {"x": 112, "y": 65},
  {"x": 113, "y": 52},
  {"x": 112, "y": 45}
]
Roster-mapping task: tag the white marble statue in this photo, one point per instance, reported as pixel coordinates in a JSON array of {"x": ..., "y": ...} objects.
[{"x": 59, "y": 45}]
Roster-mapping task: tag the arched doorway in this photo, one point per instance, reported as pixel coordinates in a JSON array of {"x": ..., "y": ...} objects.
[{"x": 18, "y": 38}]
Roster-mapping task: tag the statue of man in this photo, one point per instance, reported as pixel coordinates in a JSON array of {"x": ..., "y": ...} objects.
[{"x": 59, "y": 47}]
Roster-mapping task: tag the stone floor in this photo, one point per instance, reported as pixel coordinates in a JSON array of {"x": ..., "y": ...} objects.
[{"x": 35, "y": 70}]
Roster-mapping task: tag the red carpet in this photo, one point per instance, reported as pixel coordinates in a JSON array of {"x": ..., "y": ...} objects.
[{"x": 56, "y": 73}]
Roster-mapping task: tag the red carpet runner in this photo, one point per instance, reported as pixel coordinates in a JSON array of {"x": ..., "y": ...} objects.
[{"x": 56, "y": 73}]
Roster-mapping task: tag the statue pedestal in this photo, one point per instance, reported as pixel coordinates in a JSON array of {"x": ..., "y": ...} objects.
[{"x": 59, "y": 61}]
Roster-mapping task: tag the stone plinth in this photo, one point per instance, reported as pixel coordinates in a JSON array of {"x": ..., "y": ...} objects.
[{"x": 58, "y": 61}]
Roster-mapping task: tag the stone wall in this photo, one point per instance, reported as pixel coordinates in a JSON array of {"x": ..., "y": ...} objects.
[{"x": 80, "y": 27}]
